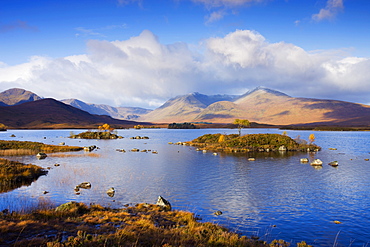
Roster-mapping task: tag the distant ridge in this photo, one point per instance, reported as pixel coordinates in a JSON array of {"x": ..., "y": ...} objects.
[
  {"x": 16, "y": 96},
  {"x": 262, "y": 105},
  {"x": 50, "y": 113},
  {"x": 124, "y": 113}
]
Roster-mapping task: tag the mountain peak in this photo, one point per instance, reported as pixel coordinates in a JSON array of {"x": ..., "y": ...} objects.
[
  {"x": 16, "y": 96},
  {"x": 262, "y": 89}
]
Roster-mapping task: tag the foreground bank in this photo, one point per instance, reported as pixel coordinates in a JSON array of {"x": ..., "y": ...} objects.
[{"x": 76, "y": 224}]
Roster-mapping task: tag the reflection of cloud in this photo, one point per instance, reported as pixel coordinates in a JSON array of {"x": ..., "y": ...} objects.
[
  {"x": 143, "y": 72},
  {"x": 332, "y": 8},
  {"x": 17, "y": 25}
]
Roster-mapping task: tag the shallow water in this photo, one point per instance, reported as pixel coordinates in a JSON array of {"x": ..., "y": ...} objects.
[{"x": 274, "y": 197}]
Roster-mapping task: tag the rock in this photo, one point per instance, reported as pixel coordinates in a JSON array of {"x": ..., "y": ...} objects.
[
  {"x": 282, "y": 148},
  {"x": 137, "y": 137},
  {"x": 154, "y": 152},
  {"x": 41, "y": 156},
  {"x": 12, "y": 135},
  {"x": 166, "y": 205},
  {"x": 204, "y": 151},
  {"x": 332, "y": 149},
  {"x": 251, "y": 159},
  {"x": 304, "y": 160},
  {"x": 90, "y": 148},
  {"x": 84, "y": 185},
  {"x": 144, "y": 137},
  {"x": 110, "y": 192},
  {"x": 215, "y": 153},
  {"x": 62, "y": 143},
  {"x": 316, "y": 162},
  {"x": 72, "y": 206},
  {"x": 121, "y": 150},
  {"x": 45, "y": 192},
  {"x": 56, "y": 164},
  {"x": 337, "y": 222},
  {"x": 333, "y": 163},
  {"x": 218, "y": 212},
  {"x": 135, "y": 150},
  {"x": 170, "y": 143}
]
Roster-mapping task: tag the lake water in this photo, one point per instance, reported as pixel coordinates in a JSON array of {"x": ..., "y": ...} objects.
[{"x": 273, "y": 197}]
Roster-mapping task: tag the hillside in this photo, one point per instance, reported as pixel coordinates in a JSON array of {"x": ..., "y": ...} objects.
[
  {"x": 16, "y": 96},
  {"x": 125, "y": 113},
  {"x": 262, "y": 105},
  {"x": 50, "y": 113},
  {"x": 183, "y": 108}
]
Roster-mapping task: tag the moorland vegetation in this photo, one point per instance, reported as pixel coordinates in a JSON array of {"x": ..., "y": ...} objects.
[{"x": 76, "y": 224}]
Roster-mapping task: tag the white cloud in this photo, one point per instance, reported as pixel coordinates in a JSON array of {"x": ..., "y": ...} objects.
[
  {"x": 215, "y": 16},
  {"x": 332, "y": 8},
  {"x": 143, "y": 72}
]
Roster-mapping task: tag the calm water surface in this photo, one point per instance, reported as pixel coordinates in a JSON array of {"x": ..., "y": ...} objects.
[{"x": 274, "y": 197}]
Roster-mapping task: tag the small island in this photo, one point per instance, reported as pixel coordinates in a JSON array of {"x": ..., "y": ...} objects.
[
  {"x": 234, "y": 143},
  {"x": 104, "y": 131}
]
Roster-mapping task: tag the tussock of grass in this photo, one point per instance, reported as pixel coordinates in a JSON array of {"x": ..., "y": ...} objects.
[
  {"x": 15, "y": 174},
  {"x": 77, "y": 224},
  {"x": 249, "y": 143}
]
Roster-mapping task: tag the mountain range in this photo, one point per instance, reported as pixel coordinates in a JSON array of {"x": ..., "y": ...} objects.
[{"x": 260, "y": 105}]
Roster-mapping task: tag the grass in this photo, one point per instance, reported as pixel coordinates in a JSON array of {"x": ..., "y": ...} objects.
[
  {"x": 250, "y": 143},
  {"x": 10, "y": 148},
  {"x": 76, "y": 224}
]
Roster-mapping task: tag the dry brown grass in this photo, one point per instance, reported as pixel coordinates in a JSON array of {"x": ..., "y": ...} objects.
[{"x": 142, "y": 225}]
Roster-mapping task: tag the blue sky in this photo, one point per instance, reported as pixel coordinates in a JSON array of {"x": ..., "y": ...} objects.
[{"x": 146, "y": 51}]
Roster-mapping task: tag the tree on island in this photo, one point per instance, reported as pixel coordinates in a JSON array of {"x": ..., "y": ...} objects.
[
  {"x": 241, "y": 123},
  {"x": 105, "y": 127}
]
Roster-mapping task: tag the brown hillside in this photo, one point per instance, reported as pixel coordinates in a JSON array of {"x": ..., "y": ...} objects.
[
  {"x": 262, "y": 105},
  {"x": 50, "y": 113}
]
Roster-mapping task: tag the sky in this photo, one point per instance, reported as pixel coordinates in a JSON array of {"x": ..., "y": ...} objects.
[{"x": 144, "y": 52}]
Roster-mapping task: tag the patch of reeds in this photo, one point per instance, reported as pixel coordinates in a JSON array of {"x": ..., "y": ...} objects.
[{"x": 64, "y": 155}]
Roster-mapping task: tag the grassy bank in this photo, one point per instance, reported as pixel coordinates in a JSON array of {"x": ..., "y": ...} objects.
[
  {"x": 15, "y": 174},
  {"x": 8, "y": 148},
  {"x": 250, "y": 143},
  {"x": 76, "y": 224}
]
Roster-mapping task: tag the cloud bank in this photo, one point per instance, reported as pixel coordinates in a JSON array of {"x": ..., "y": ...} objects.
[{"x": 143, "y": 72}]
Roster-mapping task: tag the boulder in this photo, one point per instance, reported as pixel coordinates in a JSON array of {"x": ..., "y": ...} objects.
[
  {"x": 282, "y": 148},
  {"x": 84, "y": 185},
  {"x": 110, "y": 192},
  {"x": 316, "y": 162},
  {"x": 304, "y": 160},
  {"x": 166, "y": 205},
  {"x": 41, "y": 156},
  {"x": 333, "y": 163}
]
